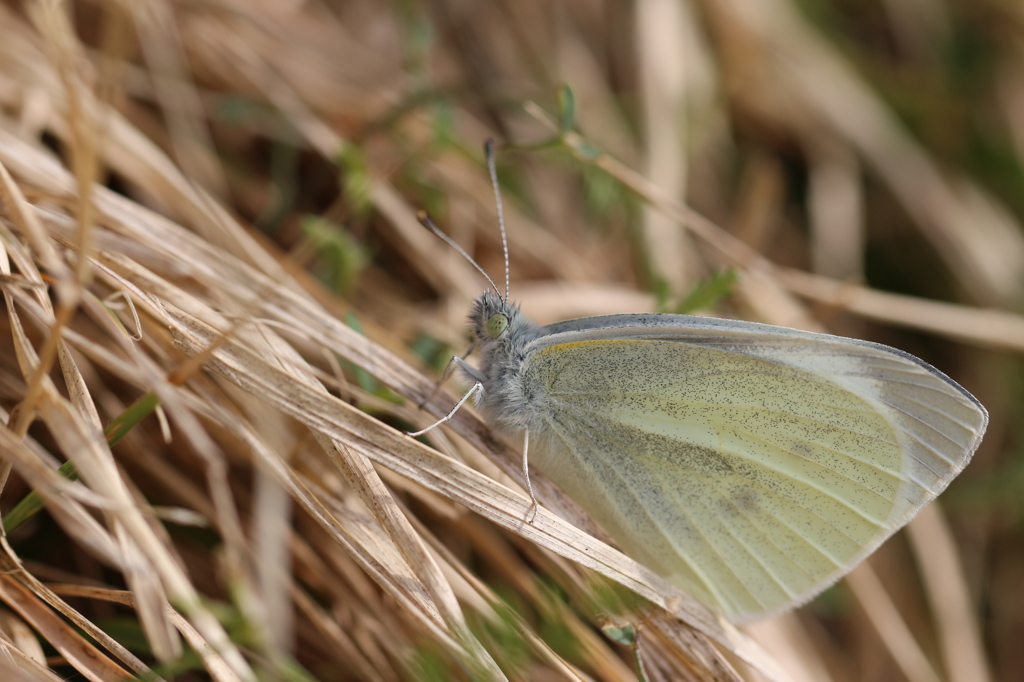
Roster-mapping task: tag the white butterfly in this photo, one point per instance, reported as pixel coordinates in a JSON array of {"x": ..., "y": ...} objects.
[{"x": 751, "y": 465}]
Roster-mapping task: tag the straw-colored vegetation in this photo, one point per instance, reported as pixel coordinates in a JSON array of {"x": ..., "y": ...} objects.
[{"x": 220, "y": 312}]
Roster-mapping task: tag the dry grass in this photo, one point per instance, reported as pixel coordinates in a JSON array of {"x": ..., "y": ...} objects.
[{"x": 209, "y": 256}]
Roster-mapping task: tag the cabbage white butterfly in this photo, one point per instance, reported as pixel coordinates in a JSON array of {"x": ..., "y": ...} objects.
[{"x": 751, "y": 465}]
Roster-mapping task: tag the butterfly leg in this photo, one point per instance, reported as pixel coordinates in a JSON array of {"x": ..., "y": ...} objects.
[
  {"x": 455, "y": 361},
  {"x": 476, "y": 387},
  {"x": 526, "y": 473}
]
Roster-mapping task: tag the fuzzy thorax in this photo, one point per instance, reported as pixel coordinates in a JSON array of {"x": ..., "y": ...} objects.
[{"x": 506, "y": 400}]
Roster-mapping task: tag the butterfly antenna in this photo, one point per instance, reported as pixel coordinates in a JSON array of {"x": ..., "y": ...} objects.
[
  {"x": 428, "y": 222},
  {"x": 489, "y": 152}
]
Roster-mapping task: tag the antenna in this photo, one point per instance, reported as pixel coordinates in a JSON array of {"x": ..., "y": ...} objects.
[
  {"x": 428, "y": 222},
  {"x": 489, "y": 152}
]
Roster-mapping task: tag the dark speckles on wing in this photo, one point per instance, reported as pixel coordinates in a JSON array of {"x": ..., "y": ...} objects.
[
  {"x": 750, "y": 464},
  {"x": 745, "y": 499},
  {"x": 765, "y": 471}
]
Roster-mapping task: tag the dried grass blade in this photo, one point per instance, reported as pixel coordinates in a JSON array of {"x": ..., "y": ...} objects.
[
  {"x": 83, "y": 656},
  {"x": 151, "y": 599},
  {"x": 17, "y": 666},
  {"x": 92, "y": 456},
  {"x": 364, "y": 540},
  {"x": 948, "y": 593},
  {"x": 890, "y": 626},
  {"x": 347, "y": 651},
  {"x": 325, "y": 414},
  {"x": 361, "y": 476},
  {"x": 219, "y": 670},
  {"x": 163, "y": 640}
]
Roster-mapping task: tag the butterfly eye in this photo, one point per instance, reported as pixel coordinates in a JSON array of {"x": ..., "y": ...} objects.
[{"x": 496, "y": 325}]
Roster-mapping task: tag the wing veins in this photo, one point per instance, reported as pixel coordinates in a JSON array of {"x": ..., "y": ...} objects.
[
  {"x": 916, "y": 438},
  {"x": 797, "y": 534},
  {"x": 811, "y": 380},
  {"x": 808, "y": 484},
  {"x": 923, "y": 386},
  {"x": 814, "y": 514},
  {"x": 707, "y": 541},
  {"x": 800, "y": 536},
  {"x": 766, "y": 536},
  {"x": 752, "y": 555},
  {"x": 740, "y": 407},
  {"x": 765, "y": 466},
  {"x": 877, "y": 467},
  {"x": 955, "y": 421},
  {"x": 825, "y": 521}
]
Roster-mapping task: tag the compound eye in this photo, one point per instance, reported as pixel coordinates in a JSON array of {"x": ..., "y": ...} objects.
[{"x": 496, "y": 325}]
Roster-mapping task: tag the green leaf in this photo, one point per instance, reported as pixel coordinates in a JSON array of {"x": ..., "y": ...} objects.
[
  {"x": 115, "y": 431},
  {"x": 340, "y": 257},
  {"x": 620, "y": 634},
  {"x": 566, "y": 109},
  {"x": 708, "y": 292},
  {"x": 356, "y": 178}
]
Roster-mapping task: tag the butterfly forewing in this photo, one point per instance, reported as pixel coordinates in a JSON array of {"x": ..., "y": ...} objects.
[{"x": 751, "y": 465}]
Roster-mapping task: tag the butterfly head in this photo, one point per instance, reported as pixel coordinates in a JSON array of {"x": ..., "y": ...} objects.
[{"x": 491, "y": 317}]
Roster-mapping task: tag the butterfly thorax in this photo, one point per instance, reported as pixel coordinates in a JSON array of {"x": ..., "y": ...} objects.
[{"x": 502, "y": 334}]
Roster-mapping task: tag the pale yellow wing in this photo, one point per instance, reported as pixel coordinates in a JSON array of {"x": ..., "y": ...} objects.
[{"x": 752, "y": 469}]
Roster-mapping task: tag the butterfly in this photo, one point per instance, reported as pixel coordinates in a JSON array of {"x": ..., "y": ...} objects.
[{"x": 751, "y": 465}]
